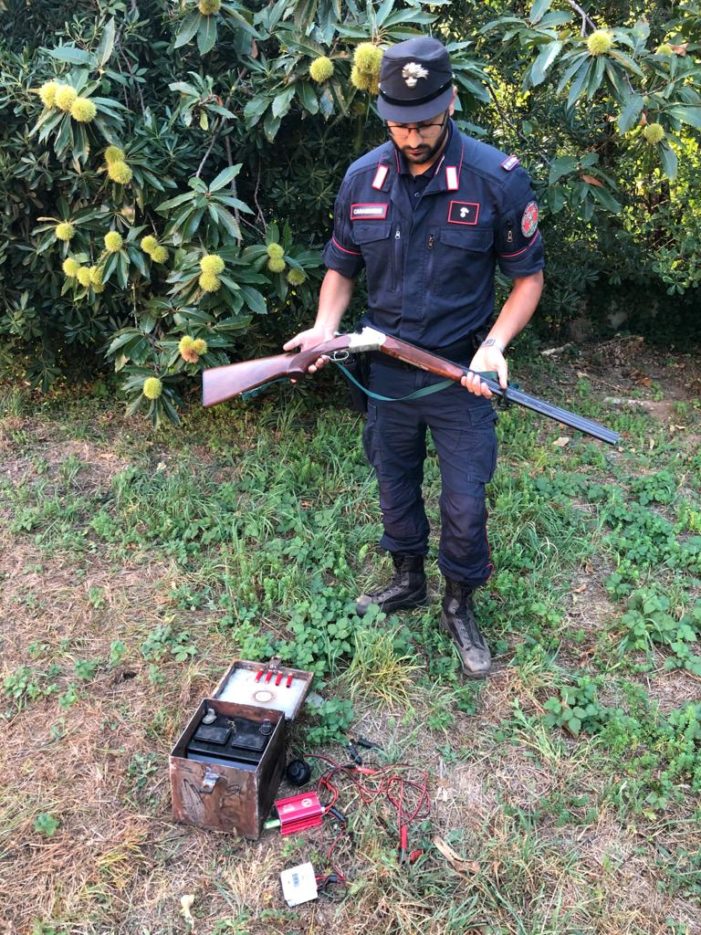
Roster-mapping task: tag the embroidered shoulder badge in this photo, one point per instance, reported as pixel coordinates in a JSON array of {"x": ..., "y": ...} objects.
[
  {"x": 529, "y": 219},
  {"x": 510, "y": 163}
]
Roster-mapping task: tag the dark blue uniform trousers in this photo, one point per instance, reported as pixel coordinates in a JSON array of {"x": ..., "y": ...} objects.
[{"x": 462, "y": 428}]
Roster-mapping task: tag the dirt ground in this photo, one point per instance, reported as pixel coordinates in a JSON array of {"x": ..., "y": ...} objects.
[{"x": 98, "y": 761}]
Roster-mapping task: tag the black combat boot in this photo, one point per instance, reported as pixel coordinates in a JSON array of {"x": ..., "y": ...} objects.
[
  {"x": 458, "y": 619},
  {"x": 406, "y": 588}
]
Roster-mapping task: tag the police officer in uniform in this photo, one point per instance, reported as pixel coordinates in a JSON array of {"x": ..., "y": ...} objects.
[{"x": 428, "y": 215}]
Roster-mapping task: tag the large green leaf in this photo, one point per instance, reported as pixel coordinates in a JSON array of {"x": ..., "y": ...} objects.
[
  {"x": 64, "y": 137},
  {"x": 689, "y": 114},
  {"x": 106, "y": 46},
  {"x": 123, "y": 339},
  {"x": 137, "y": 258},
  {"x": 271, "y": 125},
  {"x": 150, "y": 178},
  {"x": 226, "y": 220},
  {"x": 207, "y": 34},
  {"x": 48, "y": 121},
  {"x": 307, "y": 95},
  {"x": 413, "y": 15},
  {"x": 193, "y": 223},
  {"x": 626, "y": 61},
  {"x": 574, "y": 64},
  {"x": 254, "y": 300},
  {"x": 596, "y": 75},
  {"x": 605, "y": 198},
  {"x": 555, "y": 18},
  {"x": 169, "y": 409},
  {"x": 580, "y": 77},
  {"x": 174, "y": 202},
  {"x": 232, "y": 202},
  {"x": 122, "y": 269},
  {"x": 669, "y": 160},
  {"x": 188, "y": 28},
  {"x": 241, "y": 18},
  {"x": 107, "y": 109},
  {"x": 630, "y": 113},
  {"x": 109, "y": 267},
  {"x": 562, "y": 166},
  {"x": 68, "y": 53},
  {"x": 538, "y": 9},
  {"x": 556, "y": 199},
  {"x": 227, "y": 325},
  {"x": 282, "y": 102},
  {"x": 500, "y": 23},
  {"x": 225, "y": 177},
  {"x": 385, "y": 9},
  {"x": 543, "y": 62},
  {"x": 619, "y": 81},
  {"x": 255, "y": 108}
]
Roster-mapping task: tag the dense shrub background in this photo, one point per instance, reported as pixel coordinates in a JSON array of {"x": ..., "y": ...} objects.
[{"x": 231, "y": 146}]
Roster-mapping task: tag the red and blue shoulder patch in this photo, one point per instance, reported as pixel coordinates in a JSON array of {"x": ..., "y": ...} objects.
[{"x": 529, "y": 219}]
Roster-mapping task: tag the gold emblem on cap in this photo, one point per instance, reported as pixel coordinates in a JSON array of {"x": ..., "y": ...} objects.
[{"x": 411, "y": 73}]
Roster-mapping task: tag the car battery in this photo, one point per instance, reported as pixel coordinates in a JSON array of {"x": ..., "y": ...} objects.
[
  {"x": 227, "y": 764},
  {"x": 229, "y": 739}
]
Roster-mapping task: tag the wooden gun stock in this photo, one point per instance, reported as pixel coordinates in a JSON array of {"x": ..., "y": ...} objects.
[{"x": 222, "y": 383}]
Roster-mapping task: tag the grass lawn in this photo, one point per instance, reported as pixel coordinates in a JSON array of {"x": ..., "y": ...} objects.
[{"x": 136, "y": 565}]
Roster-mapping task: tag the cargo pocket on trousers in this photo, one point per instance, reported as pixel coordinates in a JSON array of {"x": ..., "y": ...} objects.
[
  {"x": 481, "y": 438},
  {"x": 369, "y": 446}
]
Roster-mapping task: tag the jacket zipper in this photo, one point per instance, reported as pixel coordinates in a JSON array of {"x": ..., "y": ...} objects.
[
  {"x": 397, "y": 257},
  {"x": 429, "y": 268}
]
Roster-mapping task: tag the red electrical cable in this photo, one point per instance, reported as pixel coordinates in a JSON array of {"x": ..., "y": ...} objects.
[{"x": 372, "y": 783}]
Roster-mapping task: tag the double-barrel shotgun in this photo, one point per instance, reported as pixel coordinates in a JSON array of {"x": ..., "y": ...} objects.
[{"x": 222, "y": 383}]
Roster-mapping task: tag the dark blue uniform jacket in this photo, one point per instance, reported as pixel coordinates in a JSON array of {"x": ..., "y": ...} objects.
[{"x": 430, "y": 266}]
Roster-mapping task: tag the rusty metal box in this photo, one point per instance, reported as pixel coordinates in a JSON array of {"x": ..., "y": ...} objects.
[
  {"x": 238, "y": 796},
  {"x": 227, "y": 797}
]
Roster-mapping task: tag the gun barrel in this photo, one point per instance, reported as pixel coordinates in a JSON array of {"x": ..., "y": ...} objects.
[{"x": 564, "y": 416}]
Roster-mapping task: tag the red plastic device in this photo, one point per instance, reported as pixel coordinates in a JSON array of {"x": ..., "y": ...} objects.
[{"x": 299, "y": 812}]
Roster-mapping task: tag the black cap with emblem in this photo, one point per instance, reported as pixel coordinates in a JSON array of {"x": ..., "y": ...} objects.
[{"x": 416, "y": 81}]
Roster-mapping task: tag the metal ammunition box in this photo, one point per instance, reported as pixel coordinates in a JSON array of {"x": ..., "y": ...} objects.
[{"x": 238, "y": 796}]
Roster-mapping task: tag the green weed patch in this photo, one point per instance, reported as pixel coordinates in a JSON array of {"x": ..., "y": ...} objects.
[{"x": 141, "y": 565}]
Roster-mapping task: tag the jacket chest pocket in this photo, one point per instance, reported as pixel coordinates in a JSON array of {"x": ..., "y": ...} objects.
[
  {"x": 380, "y": 245},
  {"x": 459, "y": 259}
]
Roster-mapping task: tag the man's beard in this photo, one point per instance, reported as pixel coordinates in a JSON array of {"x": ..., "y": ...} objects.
[{"x": 425, "y": 154}]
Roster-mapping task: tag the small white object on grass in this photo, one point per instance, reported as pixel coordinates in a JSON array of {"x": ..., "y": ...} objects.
[
  {"x": 299, "y": 884},
  {"x": 185, "y": 907}
]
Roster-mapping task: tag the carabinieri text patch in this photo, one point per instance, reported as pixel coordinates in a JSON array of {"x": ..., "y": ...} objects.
[{"x": 375, "y": 211}]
